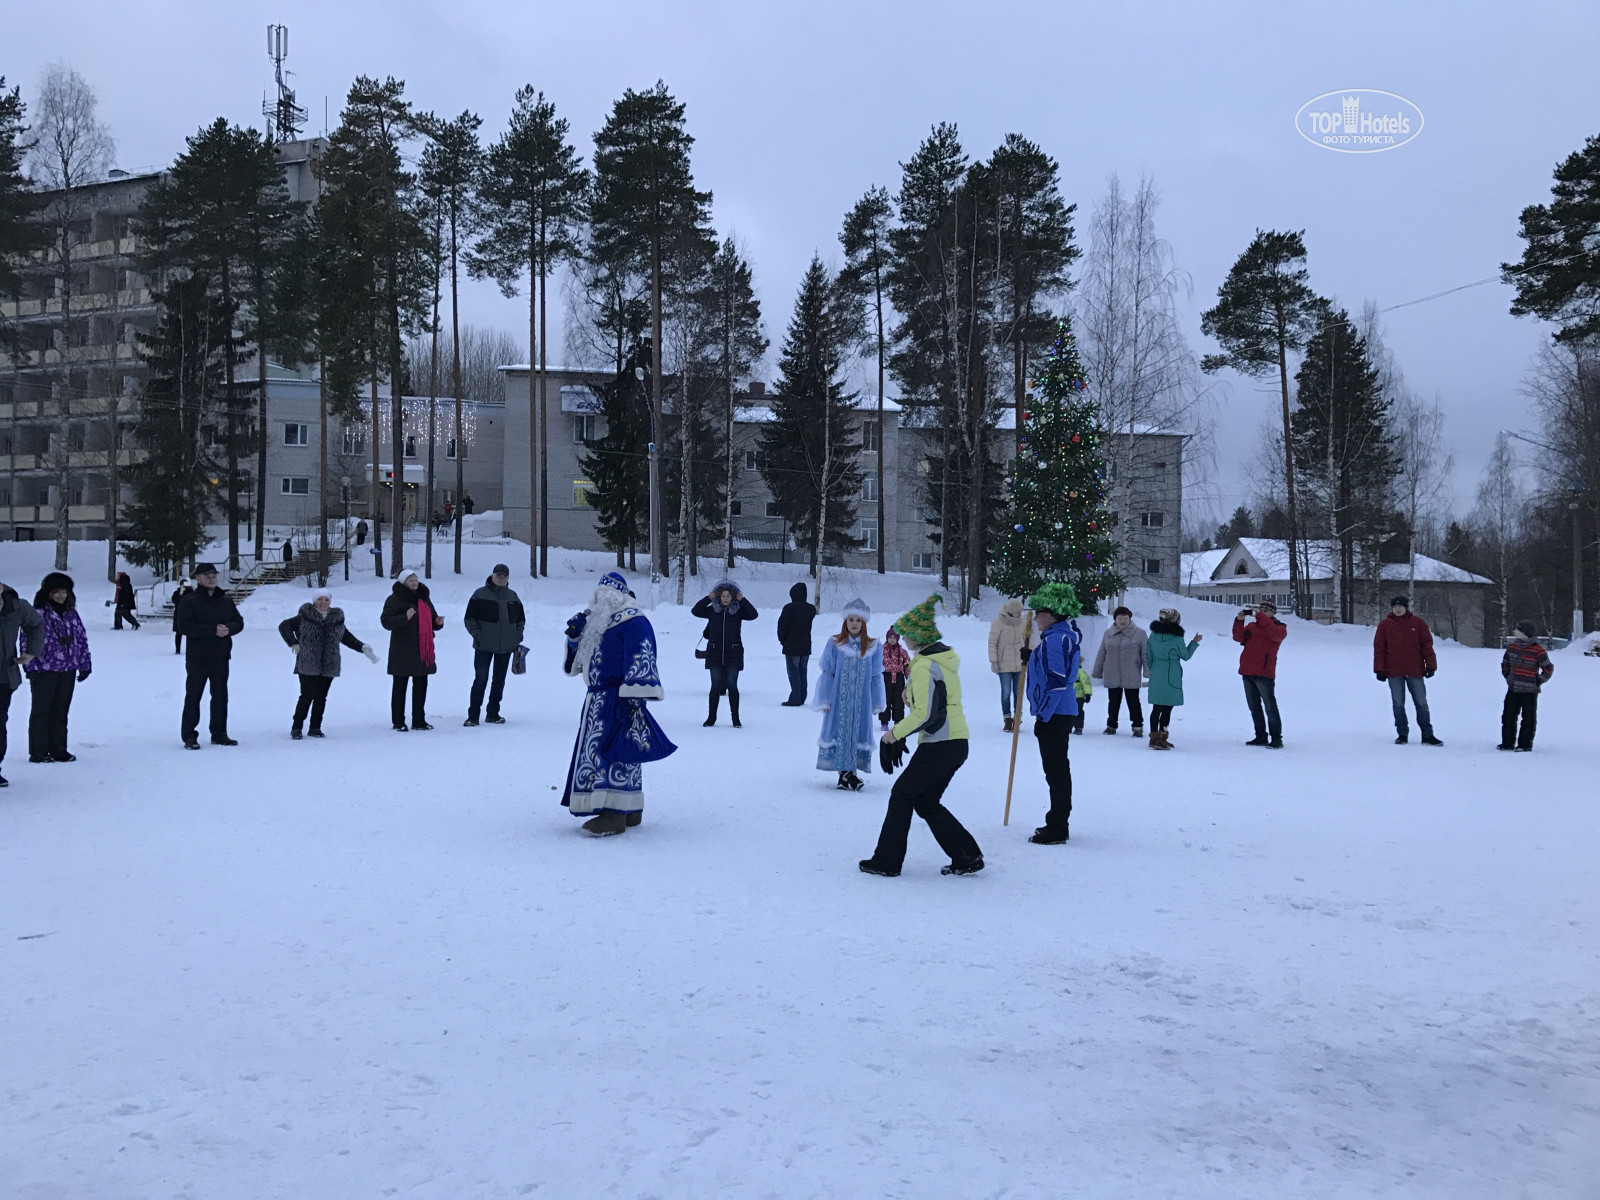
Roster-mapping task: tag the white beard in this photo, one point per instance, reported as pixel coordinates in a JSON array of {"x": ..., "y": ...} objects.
[{"x": 598, "y": 620}]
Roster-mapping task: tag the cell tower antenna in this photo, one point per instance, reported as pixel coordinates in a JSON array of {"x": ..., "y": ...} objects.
[{"x": 284, "y": 116}]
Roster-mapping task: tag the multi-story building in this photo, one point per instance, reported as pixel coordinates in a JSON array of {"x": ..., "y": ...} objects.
[
  {"x": 1146, "y": 492},
  {"x": 77, "y": 376}
]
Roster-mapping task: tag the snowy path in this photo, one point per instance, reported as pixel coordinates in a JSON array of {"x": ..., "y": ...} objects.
[{"x": 391, "y": 965}]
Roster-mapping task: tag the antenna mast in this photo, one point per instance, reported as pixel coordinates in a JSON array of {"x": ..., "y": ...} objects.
[{"x": 284, "y": 116}]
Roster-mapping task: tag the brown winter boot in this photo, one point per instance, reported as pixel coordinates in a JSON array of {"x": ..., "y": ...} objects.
[
  {"x": 1158, "y": 740},
  {"x": 1008, "y": 725}
]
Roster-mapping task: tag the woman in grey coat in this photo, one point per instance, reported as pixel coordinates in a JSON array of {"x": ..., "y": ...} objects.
[
  {"x": 315, "y": 634},
  {"x": 1121, "y": 665}
]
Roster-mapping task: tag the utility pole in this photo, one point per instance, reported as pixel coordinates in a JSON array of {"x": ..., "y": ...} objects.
[{"x": 1577, "y": 571}]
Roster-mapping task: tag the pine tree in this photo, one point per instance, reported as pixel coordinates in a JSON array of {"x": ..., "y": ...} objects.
[
  {"x": 1340, "y": 439},
  {"x": 615, "y": 460},
  {"x": 174, "y": 487},
  {"x": 807, "y": 458},
  {"x": 1061, "y": 527},
  {"x": 533, "y": 193},
  {"x": 864, "y": 277},
  {"x": 223, "y": 211},
  {"x": 20, "y": 235}
]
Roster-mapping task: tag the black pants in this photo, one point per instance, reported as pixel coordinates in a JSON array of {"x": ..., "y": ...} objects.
[
  {"x": 1160, "y": 717},
  {"x": 894, "y": 693},
  {"x": 725, "y": 679},
  {"x": 796, "y": 665},
  {"x": 919, "y": 790},
  {"x": 1261, "y": 694},
  {"x": 1525, "y": 704},
  {"x": 1114, "y": 701},
  {"x": 124, "y": 613},
  {"x": 1053, "y": 738},
  {"x": 5, "y": 715},
  {"x": 313, "y": 699},
  {"x": 481, "y": 662},
  {"x": 204, "y": 671},
  {"x": 419, "y": 699},
  {"x": 177, "y": 642},
  {"x": 47, "y": 723}
]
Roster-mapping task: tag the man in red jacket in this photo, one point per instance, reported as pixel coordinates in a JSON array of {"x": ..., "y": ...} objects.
[
  {"x": 1402, "y": 653},
  {"x": 1258, "y": 666}
]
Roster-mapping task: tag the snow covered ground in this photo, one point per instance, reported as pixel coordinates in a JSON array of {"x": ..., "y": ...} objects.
[{"x": 391, "y": 965}]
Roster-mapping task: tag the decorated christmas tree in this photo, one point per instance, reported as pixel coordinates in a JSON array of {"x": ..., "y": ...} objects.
[{"x": 1060, "y": 528}]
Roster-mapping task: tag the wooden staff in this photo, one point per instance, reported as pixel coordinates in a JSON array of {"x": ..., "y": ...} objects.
[{"x": 1016, "y": 724}]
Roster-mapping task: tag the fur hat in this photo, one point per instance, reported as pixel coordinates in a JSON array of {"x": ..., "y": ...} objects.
[
  {"x": 1170, "y": 616},
  {"x": 1056, "y": 597},
  {"x": 612, "y": 592},
  {"x": 321, "y": 591},
  {"x": 858, "y": 608},
  {"x": 918, "y": 624}
]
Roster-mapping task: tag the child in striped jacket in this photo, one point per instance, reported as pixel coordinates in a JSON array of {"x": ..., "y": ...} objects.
[{"x": 1526, "y": 668}]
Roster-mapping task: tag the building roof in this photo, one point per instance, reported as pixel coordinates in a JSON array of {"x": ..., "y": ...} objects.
[{"x": 1267, "y": 559}]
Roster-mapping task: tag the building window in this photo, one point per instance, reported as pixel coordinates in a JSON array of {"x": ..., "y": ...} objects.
[
  {"x": 580, "y": 493},
  {"x": 737, "y": 508},
  {"x": 1161, "y": 466},
  {"x": 869, "y": 487},
  {"x": 450, "y": 450},
  {"x": 772, "y": 509},
  {"x": 411, "y": 446},
  {"x": 868, "y": 535},
  {"x": 871, "y": 441},
  {"x": 296, "y": 433},
  {"x": 582, "y": 428},
  {"x": 752, "y": 460},
  {"x": 1152, "y": 520},
  {"x": 295, "y": 485},
  {"x": 1241, "y": 569},
  {"x": 5, "y": 497},
  {"x": 923, "y": 560},
  {"x": 354, "y": 440},
  {"x": 75, "y": 440},
  {"x": 1152, "y": 566}
]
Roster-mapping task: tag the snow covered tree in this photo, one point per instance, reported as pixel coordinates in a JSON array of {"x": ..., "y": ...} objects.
[{"x": 1060, "y": 525}]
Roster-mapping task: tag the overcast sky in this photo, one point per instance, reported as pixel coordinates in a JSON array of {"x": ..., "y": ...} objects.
[{"x": 798, "y": 108}]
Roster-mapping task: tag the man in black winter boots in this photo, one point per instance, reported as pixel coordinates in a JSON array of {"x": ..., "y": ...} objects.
[
  {"x": 794, "y": 635},
  {"x": 209, "y": 621}
]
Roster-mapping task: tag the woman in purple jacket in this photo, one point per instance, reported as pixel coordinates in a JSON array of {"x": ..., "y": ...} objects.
[{"x": 61, "y": 665}]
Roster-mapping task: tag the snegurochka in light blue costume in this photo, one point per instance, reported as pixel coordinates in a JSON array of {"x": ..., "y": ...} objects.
[
  {"x": 849, "y": 691},
  {"x": 612, "y": 646}
]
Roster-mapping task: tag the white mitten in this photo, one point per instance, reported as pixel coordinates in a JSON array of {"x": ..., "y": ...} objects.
[{"x": 372, "y": 655}]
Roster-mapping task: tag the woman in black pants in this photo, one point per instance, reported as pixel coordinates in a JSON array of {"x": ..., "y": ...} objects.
[
  {"x": 315, "y": 634},
  {"x": 409, "y": 617},
  {"x": 725, "y": 609}
]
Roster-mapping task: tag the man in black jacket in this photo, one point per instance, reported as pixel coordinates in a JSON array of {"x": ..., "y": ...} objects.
[
  {"x": 794, "y": 635},
  {"x": 495, "y": 619},
  {"x": 18, "y": 620},
  {"x": 208, "y": 619}
]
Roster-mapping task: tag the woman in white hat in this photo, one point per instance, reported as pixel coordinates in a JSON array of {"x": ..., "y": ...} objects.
[
  {"x": 315, "y": 634},
  {"x": 849, "y": 691}
]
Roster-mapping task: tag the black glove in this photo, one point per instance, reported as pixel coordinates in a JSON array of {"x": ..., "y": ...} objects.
[
  {"x": 82, "y": 675},
  {"x": 1428, "y": 674},
  {"x": 890, "y": 755},
  {"x": 1382, "y": 675}
]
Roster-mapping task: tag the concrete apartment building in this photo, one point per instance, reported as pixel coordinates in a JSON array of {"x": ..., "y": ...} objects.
[
  {"x": 1145, "y": 468},
  {"x": 72, "y": 365}
]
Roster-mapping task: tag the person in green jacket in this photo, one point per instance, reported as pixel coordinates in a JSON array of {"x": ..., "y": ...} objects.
[
  {"x": 1166, "y": 652},
  {"x": 1082, "y": 689},
  {"x": 934, "y": 699}
]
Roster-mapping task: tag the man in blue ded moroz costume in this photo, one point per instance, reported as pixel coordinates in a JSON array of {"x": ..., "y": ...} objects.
[{"x": 612, "y": 646}]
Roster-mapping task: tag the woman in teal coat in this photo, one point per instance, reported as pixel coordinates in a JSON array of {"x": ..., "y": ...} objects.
[{"x": 1166, "y": 653}]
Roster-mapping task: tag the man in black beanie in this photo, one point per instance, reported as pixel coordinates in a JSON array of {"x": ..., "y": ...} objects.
[{"x": 207, "y": 618}]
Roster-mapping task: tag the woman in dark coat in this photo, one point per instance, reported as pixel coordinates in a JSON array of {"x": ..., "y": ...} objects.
[
  {"x": 184, "y": 588},
  {"x": 315, "y": 634},
  {"x": 725, "y": 610},
  {"x": 409, "y": 617},
  {"x": 62, "y": 664}
]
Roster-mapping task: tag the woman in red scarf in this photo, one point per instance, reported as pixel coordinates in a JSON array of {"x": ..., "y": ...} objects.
[{"x": 409, "y": 617}]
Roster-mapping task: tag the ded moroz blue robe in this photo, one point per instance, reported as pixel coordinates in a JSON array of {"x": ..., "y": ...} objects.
[{"x": 616, "y": 734}]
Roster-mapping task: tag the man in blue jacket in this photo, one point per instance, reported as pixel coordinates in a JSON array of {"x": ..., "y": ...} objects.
[{"x": 1052, "y": 672}]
